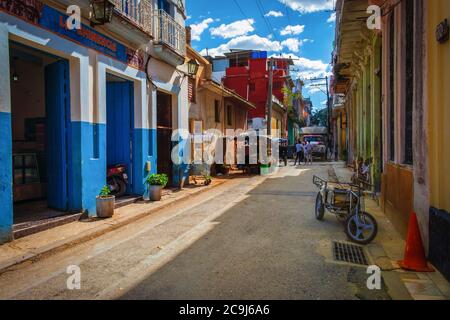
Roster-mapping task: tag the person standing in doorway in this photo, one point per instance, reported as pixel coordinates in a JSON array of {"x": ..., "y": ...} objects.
[{"x": 298, "y": 153}]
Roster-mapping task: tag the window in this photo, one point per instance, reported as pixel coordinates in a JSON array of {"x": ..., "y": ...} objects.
[
  {"x": 166, "y": 6},
  {"x": 217, "y": 111},
  {"x": 409, "y": 82},
  {"x": 392, "y": 88},
  {"x": 191, "y": 90},
  {"x": 229, "y": 115}
]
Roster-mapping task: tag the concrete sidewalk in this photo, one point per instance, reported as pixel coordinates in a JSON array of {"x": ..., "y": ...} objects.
[
  {"x": 36, "y": 246},
  {"x": 388, "y": 248}
]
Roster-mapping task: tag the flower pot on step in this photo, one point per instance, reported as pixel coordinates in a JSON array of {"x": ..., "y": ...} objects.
[
  {"x": 105, "y": 206},
  {"x": 155, "y": 192}
]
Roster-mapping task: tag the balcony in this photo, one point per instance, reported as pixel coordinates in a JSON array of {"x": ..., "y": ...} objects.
[
  {"x": 136, "y": 12},
  {"x": 169, "y": 38}
]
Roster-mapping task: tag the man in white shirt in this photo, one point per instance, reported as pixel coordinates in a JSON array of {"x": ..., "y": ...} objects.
[{"x": 308, "y": 153}]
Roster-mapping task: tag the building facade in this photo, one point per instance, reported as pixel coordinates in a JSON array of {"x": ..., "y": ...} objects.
[
  {"x": 212, "y": 106},
  {"x": 247, "y": 73},
  {"x": 78, "y": 100},
  {"x": 389, "y": 85}
]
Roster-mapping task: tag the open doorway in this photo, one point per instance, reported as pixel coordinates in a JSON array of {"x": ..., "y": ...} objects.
[
  {"x": 119, "y": 135},
  {"x": 164, "y": 133},
  {"x": 40, "y": 116}
]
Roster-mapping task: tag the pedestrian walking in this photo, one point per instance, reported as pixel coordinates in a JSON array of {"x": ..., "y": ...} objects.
[
  {"x": 298, "y": 153},
  {"x": 308, "y": 153},
  {"x": 283, "y": 151}
]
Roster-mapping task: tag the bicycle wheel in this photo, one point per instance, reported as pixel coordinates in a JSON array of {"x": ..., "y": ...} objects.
[
  {"x": 320, "y": 207},
  {"x": 361, "y": 228}
]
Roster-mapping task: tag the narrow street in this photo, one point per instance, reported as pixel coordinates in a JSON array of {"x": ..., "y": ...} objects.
[{"x": 251, "y": 238}]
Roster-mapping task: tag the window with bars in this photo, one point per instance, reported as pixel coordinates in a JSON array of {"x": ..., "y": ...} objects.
[
  {"x": 409, "y": 82},
  {"x": 392, "y": 87}
]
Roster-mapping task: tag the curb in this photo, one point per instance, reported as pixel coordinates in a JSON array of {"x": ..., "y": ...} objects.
[{"x": 87, "y": 235}]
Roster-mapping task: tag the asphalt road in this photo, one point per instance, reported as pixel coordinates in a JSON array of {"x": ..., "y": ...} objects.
[{"x": 251, "y": 238}]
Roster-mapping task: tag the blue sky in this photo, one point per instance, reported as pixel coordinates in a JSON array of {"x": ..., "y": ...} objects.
[{"x": 302, "y": 29}]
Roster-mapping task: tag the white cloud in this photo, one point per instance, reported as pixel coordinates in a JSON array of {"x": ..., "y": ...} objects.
[
  {"x": 308, "y": 6},
  {"x": 293, "y": 44},
  {"x": 197, "y": 29},
  {"x": 292, "y": 30},
  {"x": 275, "y": 14},
  {"x": 332, "y": 18},
  {"x": 252, "y": 42},
  {"x": 235, "y": 29},
  {"x": 307, "y": 68}
]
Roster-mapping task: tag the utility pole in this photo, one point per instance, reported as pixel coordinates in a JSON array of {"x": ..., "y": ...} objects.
[
  {"x": 269, "y": 99},
  {"x": 328, "y": 109}
]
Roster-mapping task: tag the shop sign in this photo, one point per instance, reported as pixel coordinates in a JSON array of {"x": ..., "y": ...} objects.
[{"x": 35, "y": 12}]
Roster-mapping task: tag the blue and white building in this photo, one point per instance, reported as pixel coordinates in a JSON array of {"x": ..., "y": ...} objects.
[{"x": 73, "y": 102}]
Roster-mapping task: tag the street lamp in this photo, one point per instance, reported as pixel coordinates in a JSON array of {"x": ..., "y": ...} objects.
[
  {"x": 193, "y": 67},
  {"x": 102, "y": 11}
]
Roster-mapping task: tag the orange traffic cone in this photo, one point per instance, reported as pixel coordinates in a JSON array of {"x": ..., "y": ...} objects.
[{"x": 415, "y": 259}]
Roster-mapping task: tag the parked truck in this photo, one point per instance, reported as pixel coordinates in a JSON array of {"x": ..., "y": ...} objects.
[{"x": 318, "y": 138}]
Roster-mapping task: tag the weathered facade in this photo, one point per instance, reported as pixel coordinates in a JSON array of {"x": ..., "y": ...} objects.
[
  {"x": 78, "y": 100},
  {"x": 211, "y": 104},
  {"x": 390, "y": 86}
]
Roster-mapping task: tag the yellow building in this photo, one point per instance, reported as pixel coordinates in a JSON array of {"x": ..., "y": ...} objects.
[{"x": 437, "y": 129}]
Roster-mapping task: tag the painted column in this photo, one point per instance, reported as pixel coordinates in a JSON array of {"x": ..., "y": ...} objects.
[
  {"x": 6, "y": 190},
  {"x": 144, "y": 138}
]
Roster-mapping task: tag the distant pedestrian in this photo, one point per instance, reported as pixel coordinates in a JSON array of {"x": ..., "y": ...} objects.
[
  {"x": 308, "y": 153},
  {"x": 298, "y": 152}
]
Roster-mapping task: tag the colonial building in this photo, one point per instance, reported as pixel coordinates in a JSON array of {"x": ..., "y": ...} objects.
[
  {"x": 247, "y": 73},
  {"x": 389, "y": 89},
  {"x": 212, "y": 105},
  {"x": 75, "y": 99}
]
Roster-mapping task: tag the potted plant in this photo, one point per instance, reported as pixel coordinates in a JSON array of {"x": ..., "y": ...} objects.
[
  {"x": 105, "y": 203},
  {"x": 156, "y": 182}
]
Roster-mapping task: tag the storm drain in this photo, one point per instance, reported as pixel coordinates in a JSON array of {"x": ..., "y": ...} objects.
[{"x": 345, "y": 252}]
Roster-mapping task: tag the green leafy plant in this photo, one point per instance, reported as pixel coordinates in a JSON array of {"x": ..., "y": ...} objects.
[
  {"x": 105, "y": 192},
  {"x": 157, "y": 180}
]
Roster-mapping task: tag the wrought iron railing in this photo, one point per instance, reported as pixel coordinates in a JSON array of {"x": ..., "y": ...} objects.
[
  {"x": 169, "y": 32},
  {"x": 138, "y": 12}
]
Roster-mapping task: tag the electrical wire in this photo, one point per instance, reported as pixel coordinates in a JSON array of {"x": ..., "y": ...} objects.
[
  {"x": 266, "y": 20},
  {"x": 243, "y": 13}
]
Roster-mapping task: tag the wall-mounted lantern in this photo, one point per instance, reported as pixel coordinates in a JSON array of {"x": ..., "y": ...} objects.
[
  {"x": 443, "y": 31},
  {"x": 102, "y": 11},
  {"x": 193, "y": 67}
]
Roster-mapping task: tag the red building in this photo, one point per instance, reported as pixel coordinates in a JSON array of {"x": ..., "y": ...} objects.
[{"x": 247, "y": 73}]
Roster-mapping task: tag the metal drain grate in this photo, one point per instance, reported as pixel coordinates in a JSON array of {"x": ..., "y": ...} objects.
[{"x": 350, "y": 253}]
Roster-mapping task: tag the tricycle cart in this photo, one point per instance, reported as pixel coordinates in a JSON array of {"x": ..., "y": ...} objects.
[{"x": 346, "y": 201}]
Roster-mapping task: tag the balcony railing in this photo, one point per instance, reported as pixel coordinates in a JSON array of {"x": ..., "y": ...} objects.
[
  {"x": 169, "y": 32},
  {"x": 139, "y": 12}
]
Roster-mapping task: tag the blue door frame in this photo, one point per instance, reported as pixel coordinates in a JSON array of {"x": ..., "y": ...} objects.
[{"x": 120, "y": 126}]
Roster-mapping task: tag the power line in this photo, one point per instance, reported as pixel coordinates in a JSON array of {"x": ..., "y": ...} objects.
[
  {"x": 243, "y": 13},
  {"x": 266, "y": 20}
]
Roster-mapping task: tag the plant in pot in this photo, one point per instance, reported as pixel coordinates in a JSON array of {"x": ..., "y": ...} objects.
[
  {"x": 156, "y": 182},
  {"x": 105, "y": 203}
]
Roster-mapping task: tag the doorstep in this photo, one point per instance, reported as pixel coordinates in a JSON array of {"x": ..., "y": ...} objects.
[{"x": 47, "y": 242}]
